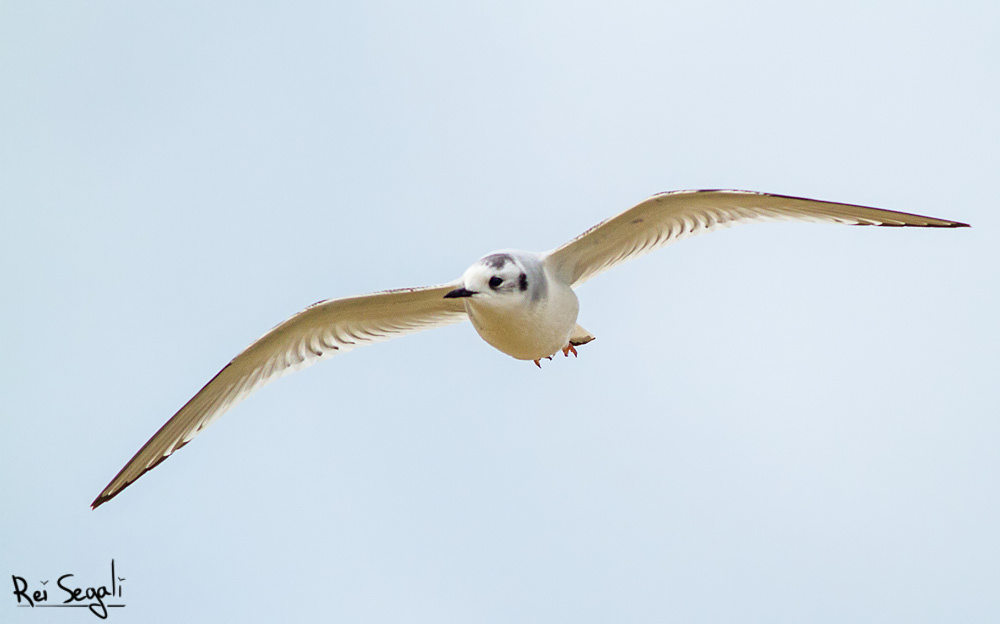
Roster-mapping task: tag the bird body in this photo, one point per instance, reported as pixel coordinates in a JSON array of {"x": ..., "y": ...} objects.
[
  {"x": 518, "y": 306},
  {"x": 521, "y": 303}
]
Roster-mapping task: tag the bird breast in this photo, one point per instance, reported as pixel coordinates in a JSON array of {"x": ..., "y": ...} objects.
[{"x": 531, "y": 330}]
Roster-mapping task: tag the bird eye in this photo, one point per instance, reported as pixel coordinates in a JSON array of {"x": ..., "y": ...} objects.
[{"x": 495, "y": 282}]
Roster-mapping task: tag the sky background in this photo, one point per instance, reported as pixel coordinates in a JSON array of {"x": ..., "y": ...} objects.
[{"x": 777, "y": 423}]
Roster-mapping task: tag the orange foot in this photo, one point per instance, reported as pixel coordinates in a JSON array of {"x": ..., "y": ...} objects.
[
  {"x": 569, "y": 349},
  {"x": 539, "y": 364}
]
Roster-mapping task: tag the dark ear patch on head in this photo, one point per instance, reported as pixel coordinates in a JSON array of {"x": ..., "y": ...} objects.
[{"x": 522, "y": 282}]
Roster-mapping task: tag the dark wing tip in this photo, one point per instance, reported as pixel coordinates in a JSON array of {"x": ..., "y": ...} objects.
[
  {"x": 943, "y": 224},
  {"x": 111, "y": 492}
]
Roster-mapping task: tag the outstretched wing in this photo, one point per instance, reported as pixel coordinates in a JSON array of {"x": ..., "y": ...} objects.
[
  {"x": 321, "y": 330},
  {"x": 668, "y": 217}
]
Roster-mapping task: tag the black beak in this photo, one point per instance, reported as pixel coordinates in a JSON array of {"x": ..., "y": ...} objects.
[{"x": 459, "y": 292}]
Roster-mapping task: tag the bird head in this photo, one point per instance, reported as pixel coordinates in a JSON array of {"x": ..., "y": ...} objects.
[{"x": 498, "y": 279}]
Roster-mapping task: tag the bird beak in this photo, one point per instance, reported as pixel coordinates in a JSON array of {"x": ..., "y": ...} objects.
[{"x": 459, "y": 292}]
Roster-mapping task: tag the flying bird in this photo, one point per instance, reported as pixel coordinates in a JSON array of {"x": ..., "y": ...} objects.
[{"x": 522, "y": 303}]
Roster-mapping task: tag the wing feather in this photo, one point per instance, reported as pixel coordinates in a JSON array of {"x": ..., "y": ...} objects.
[
  {"x": 668, "y": 217},
  {"x": 323, "y": 329}
]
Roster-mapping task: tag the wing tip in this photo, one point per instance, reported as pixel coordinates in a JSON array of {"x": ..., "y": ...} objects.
[
  {"x": 112, "y": 490},
  {"x": 109, "y": 492},
  {"x": 940, "y": 223},
  {"x": 104, "y": 497}
]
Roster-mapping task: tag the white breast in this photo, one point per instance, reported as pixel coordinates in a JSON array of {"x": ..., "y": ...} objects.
[{"x": 528, "y": 328}]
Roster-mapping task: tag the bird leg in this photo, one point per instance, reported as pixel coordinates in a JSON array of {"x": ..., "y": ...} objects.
[
  {"x": 539, "y": 364},
  {"x": 570, "y": 348}
]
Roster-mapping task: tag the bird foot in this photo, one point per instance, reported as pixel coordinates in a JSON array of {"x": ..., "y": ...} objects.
[{"x": 570, "y": 348}]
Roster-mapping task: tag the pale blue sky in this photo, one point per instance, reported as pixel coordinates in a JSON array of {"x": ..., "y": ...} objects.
[{"x": 778, "y": 423}]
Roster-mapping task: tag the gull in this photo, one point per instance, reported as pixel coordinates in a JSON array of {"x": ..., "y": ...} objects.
[{"x": 522, "y": 303}]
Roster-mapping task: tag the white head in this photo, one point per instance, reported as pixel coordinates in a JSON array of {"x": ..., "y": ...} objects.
[{"x": 502, "y": 279}]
